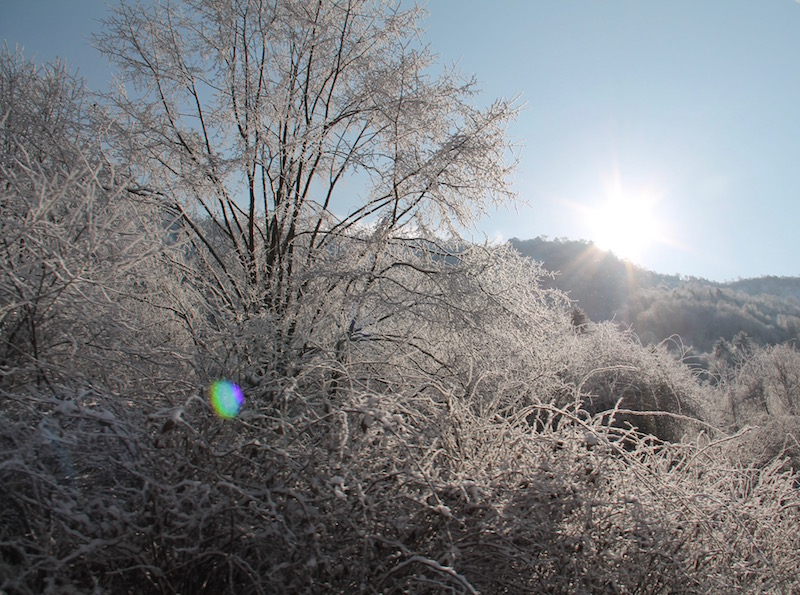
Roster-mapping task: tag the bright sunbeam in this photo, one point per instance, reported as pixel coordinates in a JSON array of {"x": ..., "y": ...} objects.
[
  {"x": 626, "y": 225},
  {"x": 626, "y": 222}
]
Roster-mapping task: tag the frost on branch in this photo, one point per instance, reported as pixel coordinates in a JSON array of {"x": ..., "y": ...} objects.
[{"x": 270, "y": 201}]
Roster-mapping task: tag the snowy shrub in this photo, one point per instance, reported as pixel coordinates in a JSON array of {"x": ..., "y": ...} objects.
[
  {"x": 648, "y": 388},
  {"x": 80, "y": 259}
]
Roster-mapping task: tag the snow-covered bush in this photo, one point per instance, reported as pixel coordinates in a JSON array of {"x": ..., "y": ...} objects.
[
  {"x": 646, "y": 387},
  {"x": 81, "y": 256},
  {"x": 405, "y": 488}
]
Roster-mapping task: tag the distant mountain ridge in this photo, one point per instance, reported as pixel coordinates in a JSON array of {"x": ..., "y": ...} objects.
[
  {"x": 658, "y": 306},
  {"x": 787, "y": 287}
]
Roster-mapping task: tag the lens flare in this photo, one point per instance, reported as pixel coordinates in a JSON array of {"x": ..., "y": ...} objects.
[{"x": 226, "y": 398}]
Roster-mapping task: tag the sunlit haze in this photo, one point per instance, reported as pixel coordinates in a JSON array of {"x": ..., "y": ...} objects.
[{"x": 667, "y": 132}]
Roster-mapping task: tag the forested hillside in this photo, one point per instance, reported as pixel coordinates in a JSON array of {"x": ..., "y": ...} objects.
[
  {"x": 658, "y": 306},
  {"x": 225, "y": 367}
]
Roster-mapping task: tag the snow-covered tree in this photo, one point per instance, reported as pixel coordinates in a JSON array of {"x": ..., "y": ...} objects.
[{"x": 279, "y": 129}]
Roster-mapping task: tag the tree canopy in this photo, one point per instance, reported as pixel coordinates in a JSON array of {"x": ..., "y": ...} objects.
[{"x": 287, "y": 125}]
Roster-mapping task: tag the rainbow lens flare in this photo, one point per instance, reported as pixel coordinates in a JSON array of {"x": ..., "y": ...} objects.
[{"x": 226, "y": 398}]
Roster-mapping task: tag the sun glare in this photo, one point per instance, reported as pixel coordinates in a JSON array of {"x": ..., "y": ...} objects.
[{"x": 626, "y": 223}]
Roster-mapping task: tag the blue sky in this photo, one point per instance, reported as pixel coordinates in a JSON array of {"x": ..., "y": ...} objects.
[{"x": 689, "y": 107}]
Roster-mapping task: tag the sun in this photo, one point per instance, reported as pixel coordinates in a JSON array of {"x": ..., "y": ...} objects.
[{"x": 625, "y": 223}]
